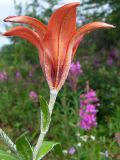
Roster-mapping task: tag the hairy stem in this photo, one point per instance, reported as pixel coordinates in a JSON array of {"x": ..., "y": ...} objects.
[
  {"x": 7, "y": 141},
  {"x": 53, "y": 95}
]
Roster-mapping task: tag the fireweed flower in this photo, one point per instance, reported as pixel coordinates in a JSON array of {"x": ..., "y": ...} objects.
[
  {"x": 18, "y": 76},
  {"x": 88, "y": 109},
  {"x": 110, "y": 61},
  {"x": 74, "y": 73},
  {"x": 56, "y": 42},
  {"x": 31, "y": 73},
  {"x": 113, "y": 56},
  {"x": 3, "y": 76},
  {"x": 33, "y": 96},
  {"x": 75, "y": 69}
]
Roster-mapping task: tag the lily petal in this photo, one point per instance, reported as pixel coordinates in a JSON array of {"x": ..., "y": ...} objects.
[
  {"x": 33, "y": 22},
  {"x": 86, "y": 29},
  {"x": 79, "y": 39},
  {"x": 61, "y": 27},
  {"x": 25, "y": 33},
  {"x": 29, "y": 35},
  {"x": 81, "y": 32},
  {"x": 65, "y": 67}
]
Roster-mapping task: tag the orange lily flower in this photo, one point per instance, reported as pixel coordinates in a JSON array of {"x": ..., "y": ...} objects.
[{"x": 57, "y": 42}]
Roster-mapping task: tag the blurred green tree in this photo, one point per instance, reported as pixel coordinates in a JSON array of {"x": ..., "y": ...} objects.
[{"x": 106, "y": 10}]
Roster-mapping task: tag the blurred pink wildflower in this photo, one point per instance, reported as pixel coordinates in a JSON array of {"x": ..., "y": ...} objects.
[
  {"x": 33, "y": 96},
  {"x": 3, "y": 76},
  {"x": 113, "y": 56},
  {"x": 72, "y": 151},
  {"x": 74, "y": 73},
  {"x": 18, "y": 76},
  {"x": 110, "y": 61},
  {"x": 75, "y": 69},
  {"x": 31, "y": 72},
  {"x": 88, "y": 109}
]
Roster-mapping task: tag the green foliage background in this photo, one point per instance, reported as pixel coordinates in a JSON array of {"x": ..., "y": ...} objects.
[{"x": 18, "y": 114}]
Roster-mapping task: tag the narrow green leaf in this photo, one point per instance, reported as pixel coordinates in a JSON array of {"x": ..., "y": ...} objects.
[
  {"x": 47, "y": 147},
  {"x": 6, "y": 156},
  {"x": 24, "y": 149},
  {"x": 45, "y": 115}
]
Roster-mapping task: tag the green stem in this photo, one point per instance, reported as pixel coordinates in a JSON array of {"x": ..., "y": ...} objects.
[
  {"x": 7, "y": 141},
  {"x": 53, "y": 95}
]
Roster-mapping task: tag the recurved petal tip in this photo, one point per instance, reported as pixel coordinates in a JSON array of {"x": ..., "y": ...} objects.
[
  {"x": 110, "y": 25},
  {"x": 93, "y": 26},
  {"x": 1, "y": 34},
  {"x": 98, "y": 25},
  {"x": 4, "y": 34},
  {"x": 114, "y": 26},
  {"x": 8, "y": 33},
  {"x": 77, "y": 3},
  {"x": 8, "y": 19},
  {"x": 73, "y": 4}
]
